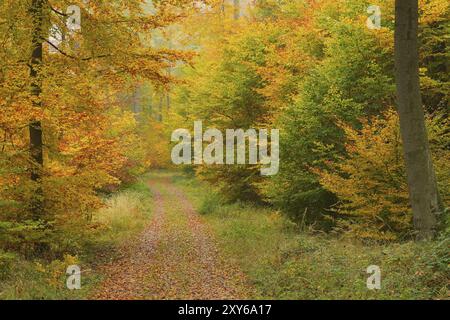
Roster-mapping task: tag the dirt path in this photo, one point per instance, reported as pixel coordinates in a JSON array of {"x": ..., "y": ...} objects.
[{"x": 174, "y": 258}]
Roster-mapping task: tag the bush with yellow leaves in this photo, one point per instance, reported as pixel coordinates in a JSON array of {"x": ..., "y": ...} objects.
[{"x": 370, "y": 182}]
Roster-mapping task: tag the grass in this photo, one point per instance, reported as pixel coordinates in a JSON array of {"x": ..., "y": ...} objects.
[
  {"x": 283, "y": 262},
  {"x": 124, "y": 216},
  {"x": 280, "y": 260}
]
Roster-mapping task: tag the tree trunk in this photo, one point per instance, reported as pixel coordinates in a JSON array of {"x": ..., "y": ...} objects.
[
  {"x": 161, "y": 107},
  {"x": 168, "y": 100},
  {"x": 35, "y": 127},
  {"x": 237, "y": 9},
  {"x": 421, "y": 179}
]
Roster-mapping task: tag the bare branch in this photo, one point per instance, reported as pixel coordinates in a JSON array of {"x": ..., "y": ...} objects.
[
  {"x": 56, "y": 11},
  {"x": 73, "y": 57}
]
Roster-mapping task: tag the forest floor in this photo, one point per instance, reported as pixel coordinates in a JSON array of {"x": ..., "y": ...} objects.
[
  {"x": 175, "y": 257},
  {"x": 170, "y": 236}
]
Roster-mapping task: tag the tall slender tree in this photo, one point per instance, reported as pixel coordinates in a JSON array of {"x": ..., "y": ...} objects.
[
  {"x": 236, "y": 9},
  {"x": 423, "y": 191},
  {"x": 35, "y": 127}
]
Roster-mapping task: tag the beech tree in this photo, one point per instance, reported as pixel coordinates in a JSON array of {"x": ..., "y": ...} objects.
[
  {"x": 62, "y": 127},
  {"x": 422, "y": 185},
  {"x": 35, "y": 126}
]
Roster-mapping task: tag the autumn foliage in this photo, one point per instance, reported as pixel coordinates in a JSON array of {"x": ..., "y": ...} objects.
[
  {"x": 315, "y": 71},
  {"x": 310, "y": 68},
  {"x": 92, "y": 141}
]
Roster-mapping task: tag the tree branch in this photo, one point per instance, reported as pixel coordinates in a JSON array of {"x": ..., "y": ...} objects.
[
  {"x": 56, "y": 11},
  {"x": 73, "y": 57}
]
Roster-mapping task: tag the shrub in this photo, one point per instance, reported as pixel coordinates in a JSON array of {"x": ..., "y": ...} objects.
[
  {"x": 210, "y": 203},
  {"x": 7, "y": 260},
  {"x": 370, "y": 182}
]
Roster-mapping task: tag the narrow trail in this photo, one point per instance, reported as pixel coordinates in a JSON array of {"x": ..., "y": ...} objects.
[{"x": 174, "y": 258}]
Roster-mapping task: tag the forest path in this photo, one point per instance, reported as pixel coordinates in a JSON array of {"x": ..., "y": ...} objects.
[{"x": 174, "y": 258}]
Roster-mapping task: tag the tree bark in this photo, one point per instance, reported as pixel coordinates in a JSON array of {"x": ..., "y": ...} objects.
[
  {"x": 421, "y": 178},
  {"x": 161, "y": 107},
  {"x": 35, "y": 127},
  {"x": 237, "y": 9}
]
